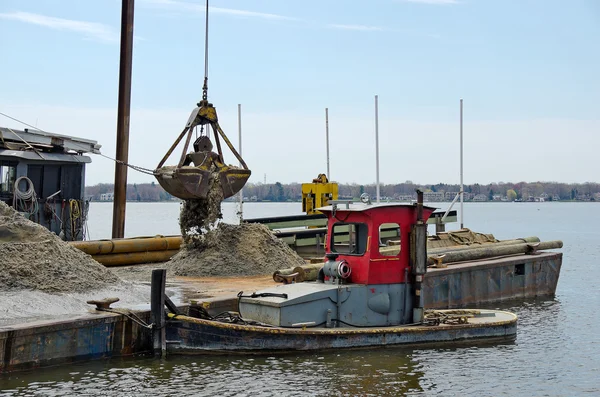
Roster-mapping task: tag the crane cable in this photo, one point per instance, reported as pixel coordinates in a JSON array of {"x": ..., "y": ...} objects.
[
  {"x": 134, "y": 167},
  {"x": 143, "y": 170},
  {"x": 205, "y": 87}
]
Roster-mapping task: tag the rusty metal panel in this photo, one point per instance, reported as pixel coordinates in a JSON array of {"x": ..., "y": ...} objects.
[
  {"x": 46, "y": 343},
  {"x": 493, "y": 280},
  {"x": 195, "y": 336}
]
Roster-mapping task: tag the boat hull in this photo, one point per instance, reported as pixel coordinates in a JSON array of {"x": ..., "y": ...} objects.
[{"x": 188, "y": 335}]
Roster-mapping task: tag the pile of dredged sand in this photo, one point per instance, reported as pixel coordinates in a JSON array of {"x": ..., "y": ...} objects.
[
  {"x": 209, "y": 249},
  {"x": 32, "y": 257},
  {"x": 234, "y": 250}
]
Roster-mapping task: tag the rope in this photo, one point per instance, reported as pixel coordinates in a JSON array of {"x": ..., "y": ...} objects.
[
  {"x": 84, "y": 219},
  {"x": 20, "y": 198},
  {"x": 75, "y": 214},
  {"x": 450, "y": 317},
  {"x": 129, "y": 314}
]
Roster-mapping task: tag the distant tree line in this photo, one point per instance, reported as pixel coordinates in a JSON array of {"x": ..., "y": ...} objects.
[
  {"x": 135, "y": 192},
  {"x": 293, "y": 191}
]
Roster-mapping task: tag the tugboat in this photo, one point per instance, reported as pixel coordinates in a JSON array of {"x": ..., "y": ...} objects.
[{"x": 364, "y": 296}]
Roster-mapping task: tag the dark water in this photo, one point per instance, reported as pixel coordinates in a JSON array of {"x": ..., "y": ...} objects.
[{"x": 557, "y": 351}]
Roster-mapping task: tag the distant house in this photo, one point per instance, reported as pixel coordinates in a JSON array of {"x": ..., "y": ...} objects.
[
  {"x": 405, "y": 197},
  {"x": 480, "y": 197},
  {"x": 433, "y": 196},
  {"x": 451, "y": 195},
  {"x": 498, "y": 197},
  {"x": 107, "y": 196}
]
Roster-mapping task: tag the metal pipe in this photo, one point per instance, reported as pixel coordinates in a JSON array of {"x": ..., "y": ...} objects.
[
  {"x": 135, "y": 258},
  {"x": 452, "y": 248},
  {"x": 240, "y": 145},
  {"x": 377, "y": 148},
  {"x": 491, "y": 251},
  {"x": 123, "y": 118},
  {"x": 419, "y": 206},
  {"x": 327, "y": 141},
  {"x": 405, "y": 309},
  {"x": 452, "y": 205},
  {"x": 128, "y": 245},
  {"x": 462, "y": 189},
  {"x": 419, "y": 258}
]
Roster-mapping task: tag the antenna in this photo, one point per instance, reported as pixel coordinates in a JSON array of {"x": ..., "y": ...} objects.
[
  {"x": 240, "y": 150},
  {"x": 377, "y": 148},
  {"x": 462, "y": 189},
  {"x": 327, "y": 141}
]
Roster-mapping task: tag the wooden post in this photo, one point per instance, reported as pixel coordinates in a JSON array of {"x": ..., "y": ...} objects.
[
  {"x": 440, "y": 226},
  {"x": 123, "y": 113},
  {"x": 157, "y": 309}
]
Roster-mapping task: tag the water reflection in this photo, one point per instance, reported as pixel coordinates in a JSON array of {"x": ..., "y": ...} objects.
[{"x": 368, "y": 372}]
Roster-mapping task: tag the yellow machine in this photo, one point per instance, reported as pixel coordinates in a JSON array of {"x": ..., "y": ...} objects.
[{"x": 317, "y": 194}]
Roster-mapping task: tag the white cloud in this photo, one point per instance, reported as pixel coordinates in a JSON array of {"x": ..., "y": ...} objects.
[
  {"x": 200, "y": 8},
  {"x": 436, "y": 2},
  {"x": 90, "y": 30},
  {"x": 363, "y": 28}
]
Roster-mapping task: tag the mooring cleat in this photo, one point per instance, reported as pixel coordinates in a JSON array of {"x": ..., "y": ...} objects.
[{"x": 102, "y": 304}]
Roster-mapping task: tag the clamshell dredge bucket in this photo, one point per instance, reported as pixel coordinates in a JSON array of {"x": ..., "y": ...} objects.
[{"x": 186, "y": 181}]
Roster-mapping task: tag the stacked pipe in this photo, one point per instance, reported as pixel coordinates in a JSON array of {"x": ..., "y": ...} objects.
[
  {"x": 490, "y": 251},
  {"x": 448, "y": 255},
  {"x": 131, "y": 251}
]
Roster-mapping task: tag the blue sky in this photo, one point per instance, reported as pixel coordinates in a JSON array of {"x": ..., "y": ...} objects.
[{"x": 527, "y": 70}]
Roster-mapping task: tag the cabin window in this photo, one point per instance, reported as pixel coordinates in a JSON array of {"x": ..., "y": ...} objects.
[
  {"x": 349, "y": 238},
  {"x": 8, "y": 176},
  {"x": 389, "y": 239}
]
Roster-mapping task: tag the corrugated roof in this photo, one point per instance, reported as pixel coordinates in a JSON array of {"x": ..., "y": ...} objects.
[{"x": 45, "y": 141}]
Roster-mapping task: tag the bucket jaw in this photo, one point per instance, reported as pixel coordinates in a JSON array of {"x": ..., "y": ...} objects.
[
  {"x": 185, "y": 182},
  {"x": 233, "y": 180},
  {"x": 191, "y": 178}
]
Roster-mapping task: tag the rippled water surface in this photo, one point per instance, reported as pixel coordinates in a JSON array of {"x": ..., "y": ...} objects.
[{"x": 557, "y": 351}]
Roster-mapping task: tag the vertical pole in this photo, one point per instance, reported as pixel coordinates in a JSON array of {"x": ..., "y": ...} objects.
[
  {"x": 377, "y": 148},
  {"x": 418, "y": 255},
  {"x": 157, "y": 311},
  {"x": 123, "y": 112},
  {"x": 327, "y": 141},
  {"x": 240, "y": 151},
  {"x": 462, "y": 192}
]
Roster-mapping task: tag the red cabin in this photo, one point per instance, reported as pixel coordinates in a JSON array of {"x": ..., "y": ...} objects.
[{"x": 373, "y": 239}]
